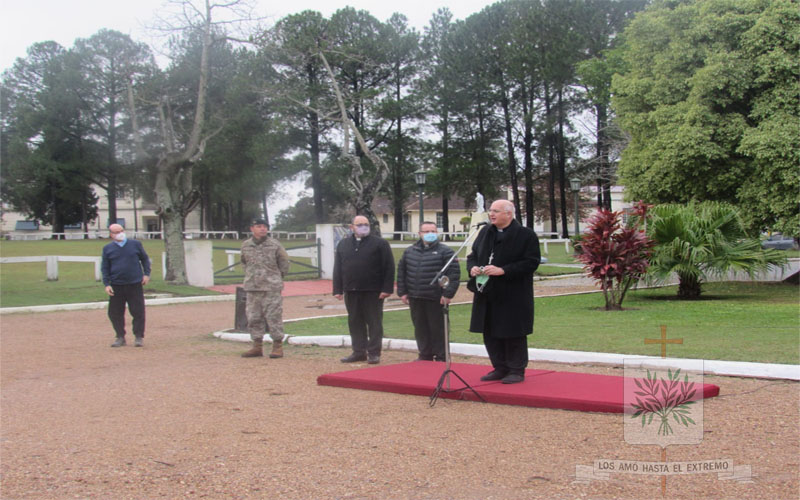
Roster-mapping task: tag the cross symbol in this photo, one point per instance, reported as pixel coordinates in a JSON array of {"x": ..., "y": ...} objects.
[{"x": 663, "y": 341}]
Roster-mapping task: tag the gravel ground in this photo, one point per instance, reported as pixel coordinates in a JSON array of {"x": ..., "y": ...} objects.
[{"x": 186, "y": 417}]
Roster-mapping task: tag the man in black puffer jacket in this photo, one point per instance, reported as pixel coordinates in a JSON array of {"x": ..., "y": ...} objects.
[{"x": 418, "y": 266}]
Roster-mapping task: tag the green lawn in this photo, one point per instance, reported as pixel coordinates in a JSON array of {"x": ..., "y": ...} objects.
[
  {"x": 26, "y": 284},
  {"x": 733, "y": 321}
]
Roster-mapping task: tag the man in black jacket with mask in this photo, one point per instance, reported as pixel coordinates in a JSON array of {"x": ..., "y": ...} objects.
[
  {"x": 363, "y": 274},
  {"x": 418, "y": 266},
  {"x": 502, "y": 306}
]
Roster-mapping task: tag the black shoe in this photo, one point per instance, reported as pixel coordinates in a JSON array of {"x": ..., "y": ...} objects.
[
  {"x": 353, "y": 358},
  {"x": 373, "y": 359},
  {"x": 513, "y": 378},
  {"x": 119, "y": 342},
  {"x": 493, "y": 375},
  {"x": 139, "y": 342}
]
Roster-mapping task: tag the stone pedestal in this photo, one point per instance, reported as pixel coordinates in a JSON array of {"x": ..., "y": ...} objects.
[{"x": 240, "y": 318}]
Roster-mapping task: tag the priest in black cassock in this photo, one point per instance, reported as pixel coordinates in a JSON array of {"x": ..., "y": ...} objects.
[{"x": 501, "y": 265}]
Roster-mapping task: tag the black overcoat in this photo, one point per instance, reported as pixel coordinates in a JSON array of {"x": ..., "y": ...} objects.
[{"x": 510, "y": 296}]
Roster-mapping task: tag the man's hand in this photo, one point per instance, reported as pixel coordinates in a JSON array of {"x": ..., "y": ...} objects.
[
  {"x": 110, "y": 291},
  {"x": 404, "y": 298},
  {"x": 444, "y": 301},
  {"x": 493, "y": 271},
  {"x": 338, "y": 296},
  {"x": 383, "y": 295},
  {"x": 145, "y": 280},
  {"x": 474, "y": 271}
]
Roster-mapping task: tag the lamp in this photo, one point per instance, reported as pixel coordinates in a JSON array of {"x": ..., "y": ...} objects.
[
  {"x": 419, "y": 175},
  {"x": 575, "y": 185}
]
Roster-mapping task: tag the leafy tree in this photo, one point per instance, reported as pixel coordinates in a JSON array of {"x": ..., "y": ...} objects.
[
  {"x": 49, "y": 161},
  {"x": 709, "y": 98},
  {"x": 186, "y": 104},
  {"x": 701, "y": 240},
  {"x": 108, "y": 62},
  {"x": 435, "y": 89},
  {"x": 292, "y": 49},
  {"x": 600, "y": 25},
  {"x": 615, "y": 256},
  {"x": 400, "y": 108},
  {"x": 300, "y": 217}
]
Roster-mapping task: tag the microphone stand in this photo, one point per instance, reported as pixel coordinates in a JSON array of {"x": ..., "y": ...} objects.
[{"x": 443, "y": 281}]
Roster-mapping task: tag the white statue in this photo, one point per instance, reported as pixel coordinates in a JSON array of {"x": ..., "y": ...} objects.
[{"x": 479, "y": 204}]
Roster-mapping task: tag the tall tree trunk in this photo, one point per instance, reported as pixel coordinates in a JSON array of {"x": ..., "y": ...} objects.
[
  {"x": 527, "y": 147},
  {"x": 551, "y": 160},
  {"x": 316, "y": 172},
  {"x": 562, "y": 164},
  {"x": 603, "y": 166},
  {"x": 512, "y": 160},
  {"x": 111, "y": 158},
  {"x": 445, "y": 174},
  {"x": 398, "y": 194}
]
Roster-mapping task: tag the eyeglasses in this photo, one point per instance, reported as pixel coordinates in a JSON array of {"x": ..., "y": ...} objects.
[{"x": 362, "y": 225}]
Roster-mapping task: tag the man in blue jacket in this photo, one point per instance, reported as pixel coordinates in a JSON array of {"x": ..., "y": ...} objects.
[
  {"x": 363, "y": 274},
  {"x": 418, "y": 266},
  {"x": 126, "y": 269}
]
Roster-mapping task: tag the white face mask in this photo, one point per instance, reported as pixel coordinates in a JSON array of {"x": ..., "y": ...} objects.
[
  {"x": 362, "y": 231},
  {"x": 120, "y": 236}
]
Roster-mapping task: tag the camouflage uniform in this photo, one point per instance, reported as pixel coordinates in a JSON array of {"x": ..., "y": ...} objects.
[{"x": 265, "y": 264}]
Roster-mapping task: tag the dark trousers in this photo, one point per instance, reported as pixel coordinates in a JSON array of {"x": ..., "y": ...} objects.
[
  {"x": 365, "y": 320},
  {"x": 133, "y": 295},
  {"x": 508, "y": 355},
  {"x": 428, "y": 322}
]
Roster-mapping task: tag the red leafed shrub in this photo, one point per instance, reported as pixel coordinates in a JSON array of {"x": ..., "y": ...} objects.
[{"x": 616, "y": 256}]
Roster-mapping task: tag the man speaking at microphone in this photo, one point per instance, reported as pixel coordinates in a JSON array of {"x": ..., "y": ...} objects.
[{"x": 501, "y": 265}]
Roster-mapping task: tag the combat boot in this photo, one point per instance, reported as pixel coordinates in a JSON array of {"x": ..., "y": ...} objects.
[
  {"x": 277, "y": 349},
  {"x": 255, "y": 351}
]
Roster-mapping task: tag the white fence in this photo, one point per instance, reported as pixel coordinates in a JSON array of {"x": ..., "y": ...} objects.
[
  {"x": 139, "y": 235},
  {"x": 51, "y": 263}
]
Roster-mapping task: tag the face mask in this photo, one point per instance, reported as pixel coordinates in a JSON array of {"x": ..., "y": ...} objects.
[
  {"x": 362, "y": 231},
  {"x": 119, "y": 237},
  {"x": 430, "y": 237}
]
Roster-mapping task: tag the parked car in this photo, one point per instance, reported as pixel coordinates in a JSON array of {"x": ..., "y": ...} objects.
[{"x": 778, "y": 242}]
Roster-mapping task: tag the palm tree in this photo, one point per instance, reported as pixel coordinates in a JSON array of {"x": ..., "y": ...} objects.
[{"x": 701, "y": 240}]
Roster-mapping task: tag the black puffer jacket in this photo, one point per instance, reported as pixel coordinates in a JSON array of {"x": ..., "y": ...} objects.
[{"x": 419, "y": 265}]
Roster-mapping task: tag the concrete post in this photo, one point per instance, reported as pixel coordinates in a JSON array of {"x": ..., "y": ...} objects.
[
  {"x": 329, "y": 236},
  {"x": 51, "y": 262},
  {"x": 199, "y": 262}
]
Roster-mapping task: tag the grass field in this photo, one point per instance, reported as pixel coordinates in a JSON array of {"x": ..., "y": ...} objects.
[
  {"x": 26, "y": 284},
  {"x": 733, "y": 321}
]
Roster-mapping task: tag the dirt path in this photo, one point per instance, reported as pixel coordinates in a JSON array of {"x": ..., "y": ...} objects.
[{"x": 186, "y": 417}]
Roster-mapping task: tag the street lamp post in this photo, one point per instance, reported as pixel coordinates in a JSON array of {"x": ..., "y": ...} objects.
[
  {"x": 575, "y": 185},
  {"x": 419, "y": 175}
]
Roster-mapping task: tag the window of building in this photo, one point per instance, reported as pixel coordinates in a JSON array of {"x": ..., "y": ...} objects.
[
  {"x": 27, "y": 225},
  {"x": 385, "y": 218},
  {"x": 440, "y": 220}
]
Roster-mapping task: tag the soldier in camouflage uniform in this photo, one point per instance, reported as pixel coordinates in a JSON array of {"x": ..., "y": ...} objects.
[{"x": 265, "y": 263}]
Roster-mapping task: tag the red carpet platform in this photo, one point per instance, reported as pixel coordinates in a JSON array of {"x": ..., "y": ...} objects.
[{"x": 541, "y": 388}]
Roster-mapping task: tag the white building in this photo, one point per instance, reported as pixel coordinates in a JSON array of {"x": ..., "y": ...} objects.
[{"x": 136, "y": 215}]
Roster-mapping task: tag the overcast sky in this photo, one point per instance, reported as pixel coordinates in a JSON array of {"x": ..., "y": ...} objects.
[{"x": 25, "y": 22}]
